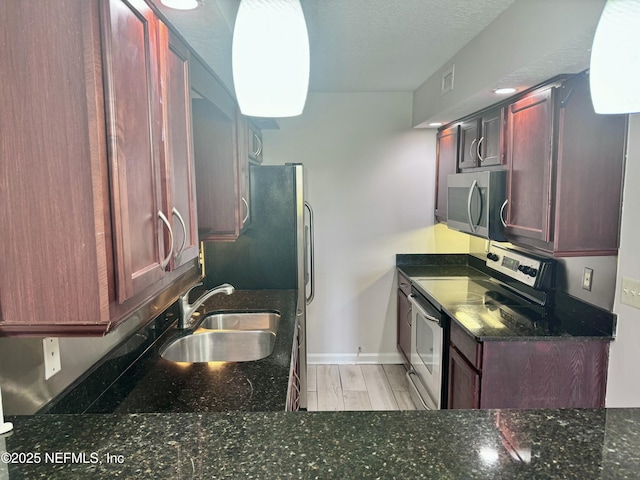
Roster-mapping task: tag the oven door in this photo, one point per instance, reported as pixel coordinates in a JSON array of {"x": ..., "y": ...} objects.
[{"x": 427, "y": 339}]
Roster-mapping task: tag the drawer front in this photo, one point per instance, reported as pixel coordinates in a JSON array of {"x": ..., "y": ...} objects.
[
  {"x": 466, "y": 345},
  {"x": 404, "y": 284}
]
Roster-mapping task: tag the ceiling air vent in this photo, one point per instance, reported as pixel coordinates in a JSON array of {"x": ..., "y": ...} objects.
[{"x": 447, "y": 80}]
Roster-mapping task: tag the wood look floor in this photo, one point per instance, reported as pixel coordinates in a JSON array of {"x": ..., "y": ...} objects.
[{"x": 357, "y": 387}]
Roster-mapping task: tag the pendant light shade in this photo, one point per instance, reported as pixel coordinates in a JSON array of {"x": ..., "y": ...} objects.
[
  {"x": 180, "y": 4},
  {"x": 615, "y": 59},
  {"x": 270, "y": 58}
]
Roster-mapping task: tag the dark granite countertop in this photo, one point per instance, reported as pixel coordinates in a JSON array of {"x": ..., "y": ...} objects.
[
  {"x": 466, "y": 301},
  {"x": 454, "y": 444},
  {"x": 140, "y": 381}
]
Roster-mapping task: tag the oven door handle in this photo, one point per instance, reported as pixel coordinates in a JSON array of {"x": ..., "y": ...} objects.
[{"x": 422, "y": 311}]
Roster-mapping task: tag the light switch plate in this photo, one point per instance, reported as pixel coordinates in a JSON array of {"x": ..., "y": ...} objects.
[
  {"x": 630, "y": 292},
  {"x": 51, "y": 349}
]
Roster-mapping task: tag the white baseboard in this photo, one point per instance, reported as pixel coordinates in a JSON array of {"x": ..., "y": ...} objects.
[{"x": 353, "y": 358}]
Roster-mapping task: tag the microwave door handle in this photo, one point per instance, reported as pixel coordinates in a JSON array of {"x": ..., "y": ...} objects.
[
  {"x": 504, "y": 223},
  {"x": 472, "y": 225}
]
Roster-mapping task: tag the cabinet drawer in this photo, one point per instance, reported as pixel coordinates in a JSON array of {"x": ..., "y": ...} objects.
[
  {"x": 466, "y": 345},
  {"x": 404, "y": 284}
]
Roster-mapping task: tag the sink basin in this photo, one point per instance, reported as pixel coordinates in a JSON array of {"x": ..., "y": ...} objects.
[
  {"x": 226, "y": 337},
  {"x": 242, "y": 321}
]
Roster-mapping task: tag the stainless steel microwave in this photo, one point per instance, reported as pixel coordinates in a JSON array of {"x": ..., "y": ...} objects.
[{"x": 475, "y": 202}]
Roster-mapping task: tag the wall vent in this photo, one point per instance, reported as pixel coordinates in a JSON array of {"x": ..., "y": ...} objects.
[{"x": 447, "y": 80}]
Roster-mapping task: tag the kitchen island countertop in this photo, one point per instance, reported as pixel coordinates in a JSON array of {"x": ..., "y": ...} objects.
[{"x": 462, "y": 444}]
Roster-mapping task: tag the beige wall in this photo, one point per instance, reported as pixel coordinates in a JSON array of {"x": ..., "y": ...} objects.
[{"x": 370, "y": 179}]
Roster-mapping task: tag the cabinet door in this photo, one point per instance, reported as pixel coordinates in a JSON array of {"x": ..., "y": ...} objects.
[
  {"x": 404, "y": 327},
  {"x": 464, "y": 382},
  {"x": 446, "y": 161},
  {"x": 54, "y": 210},
  {"x": 215, "y": 137},
  {"x": 529, "y": 156},
  {"x": 469, "y": 144},
  {"x": 489, "y": 147},
  {"x": 216, "y": 172},
  {"x": 178, "y": 166},
  {"x": 591, "y": 152},
  {"x": 134, "y": 122}
]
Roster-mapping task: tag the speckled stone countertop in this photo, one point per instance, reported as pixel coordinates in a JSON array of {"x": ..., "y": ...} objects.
[
  {"x": 454, "y": 444},
  {"x": 500, "y": 319},
  {"x": 144, "y": 382}
]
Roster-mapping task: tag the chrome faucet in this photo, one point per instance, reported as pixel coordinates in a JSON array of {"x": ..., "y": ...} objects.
[{"x": 187, "y": 309}]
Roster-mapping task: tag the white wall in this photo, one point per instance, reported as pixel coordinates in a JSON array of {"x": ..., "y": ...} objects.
[
  {"x": 370, "y": 180},
  {"x": 623, "y": 388}
]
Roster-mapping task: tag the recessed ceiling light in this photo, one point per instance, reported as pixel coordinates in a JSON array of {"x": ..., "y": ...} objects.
[
  {"x": 504, "y": 91},
  {"x": 435, "y": 124}
]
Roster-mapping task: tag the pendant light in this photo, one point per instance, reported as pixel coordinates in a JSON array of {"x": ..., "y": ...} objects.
[
  {"x": 615, "y": 59},
  {"x": 270, "y": 58},
  {"x": 180, "y": 4}
]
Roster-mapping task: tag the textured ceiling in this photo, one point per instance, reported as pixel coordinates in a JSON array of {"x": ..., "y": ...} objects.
[{"x": 356, "y": 45}]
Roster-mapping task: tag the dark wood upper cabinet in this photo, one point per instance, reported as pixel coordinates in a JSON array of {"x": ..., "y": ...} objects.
[
  {"x": 529, "y": 161},
  {"x": 134, "y": 132},
  {"x": 82, "y": 165},
  {"x": 469, "y": 130},
  {"x": 591, "y": 150},
  {"x": 55, "y": 228},
  {"x": 221, "y": 170},
  {"x": 481, "y": 138},
  {"x": 446, "y": 161},
  {"x": 566, "y": 168},
  {"x": 178, "y": 165},
  {"x": 490, "y": 149}
]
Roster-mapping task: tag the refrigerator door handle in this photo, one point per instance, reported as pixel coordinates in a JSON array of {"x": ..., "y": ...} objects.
[{"x": 309, "y": 298}]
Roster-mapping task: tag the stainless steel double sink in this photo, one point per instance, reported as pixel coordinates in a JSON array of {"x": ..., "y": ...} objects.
[{"x": 226, "y": 337}]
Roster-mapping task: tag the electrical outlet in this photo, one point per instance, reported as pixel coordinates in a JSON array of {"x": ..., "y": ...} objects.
[
  {"x": 587, "y": 278},
  {"x": 630, "y": 293},
  {"x": 51, "y": 349}
]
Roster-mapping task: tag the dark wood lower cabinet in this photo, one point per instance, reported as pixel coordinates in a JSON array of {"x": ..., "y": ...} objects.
[
  {"x": 404, "y": 327},
  {"x": 464, "y": 382},
  {"x": 557, "y": 373}
]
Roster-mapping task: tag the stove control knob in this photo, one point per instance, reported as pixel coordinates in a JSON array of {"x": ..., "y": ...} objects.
[
  {"x": 524, "y": 269},
  {"x": 532, "y": 272},
  {"x": 521, "y": 268},
  {"x": 493, "y": 256}
]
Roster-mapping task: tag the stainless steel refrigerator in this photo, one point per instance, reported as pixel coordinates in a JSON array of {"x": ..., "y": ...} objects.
[{"x": 276, "y": 250}]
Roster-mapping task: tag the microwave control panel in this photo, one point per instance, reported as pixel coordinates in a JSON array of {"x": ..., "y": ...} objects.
[{"x": 528, "y": 269}]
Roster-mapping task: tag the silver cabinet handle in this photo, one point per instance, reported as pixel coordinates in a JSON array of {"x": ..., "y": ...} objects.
[
  {"x": 259, "y": 150},
  {"x": 479, "y": 149},
  {"x": 184, "y": 230},
  {"x": 504, "y": 222},
  {"x": 165, "y": 262},
  {"x": 246, "y": 217},
  {"x": 469, "y": 198},
  {"x": 311, "y": 255},
  {"x": 471, "y": 148}
]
